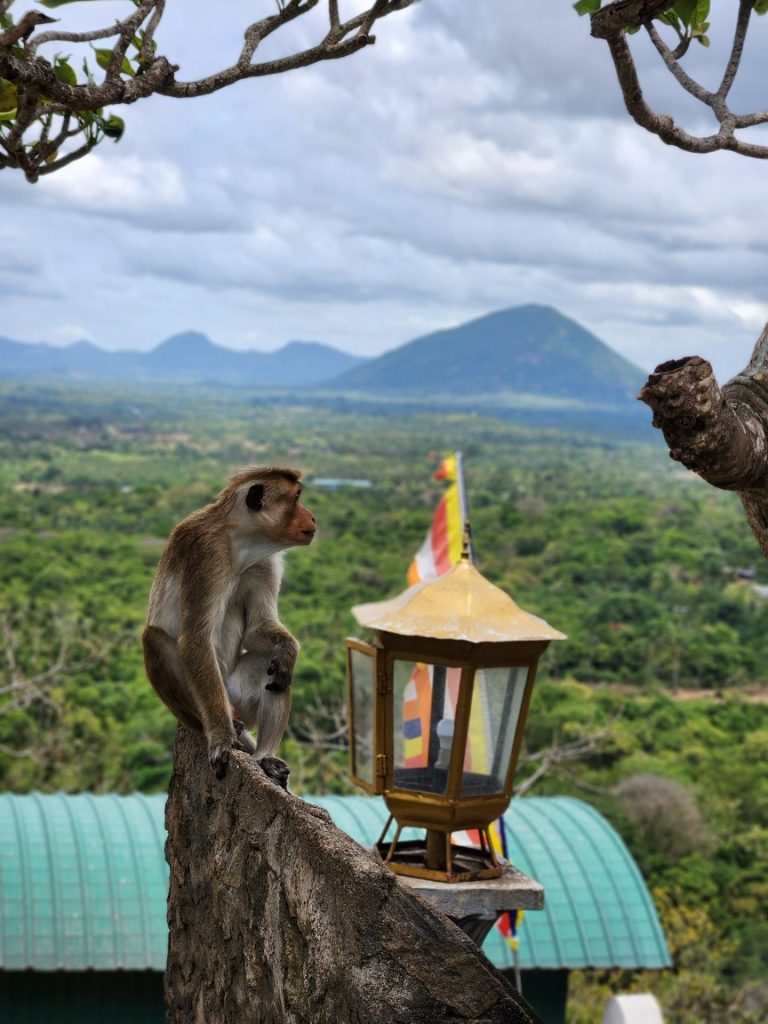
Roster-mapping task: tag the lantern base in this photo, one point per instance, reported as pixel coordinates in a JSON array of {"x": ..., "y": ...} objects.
[{"x": 466, "y": 864}]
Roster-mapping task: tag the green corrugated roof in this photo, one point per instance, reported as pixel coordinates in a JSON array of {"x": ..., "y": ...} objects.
[{"x": 83, "y": 883}]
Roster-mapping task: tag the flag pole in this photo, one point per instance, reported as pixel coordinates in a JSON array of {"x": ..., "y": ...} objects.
[{"x": 464, "y": 503}]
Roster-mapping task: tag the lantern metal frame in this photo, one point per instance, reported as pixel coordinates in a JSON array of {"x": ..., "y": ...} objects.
[
  {"x": 449, "y": 811},
  {"x": 460, "y": 620}
]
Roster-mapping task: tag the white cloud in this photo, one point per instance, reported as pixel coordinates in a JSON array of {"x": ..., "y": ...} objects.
[
  {"x": 477, "y": 157},
  {"x": 131, "y": 184}
]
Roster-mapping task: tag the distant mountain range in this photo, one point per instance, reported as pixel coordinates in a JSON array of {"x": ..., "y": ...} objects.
[
  {"x": 186, "y": 358},
  {"x": 528, "y": 350},
  {"x": 528, "y": 353}
]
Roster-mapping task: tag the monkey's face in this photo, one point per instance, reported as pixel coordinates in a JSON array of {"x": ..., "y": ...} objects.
[{"x": 276, "y": 507}]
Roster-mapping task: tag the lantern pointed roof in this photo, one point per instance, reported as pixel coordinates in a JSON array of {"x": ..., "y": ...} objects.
[{"x": 460, "y": 605}]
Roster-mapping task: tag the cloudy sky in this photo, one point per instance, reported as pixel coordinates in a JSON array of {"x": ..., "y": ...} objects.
[{"x": 477, "y": 157}]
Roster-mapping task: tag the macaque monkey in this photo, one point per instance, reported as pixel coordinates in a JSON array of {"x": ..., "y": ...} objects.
[{"x": 214, "y": 648}]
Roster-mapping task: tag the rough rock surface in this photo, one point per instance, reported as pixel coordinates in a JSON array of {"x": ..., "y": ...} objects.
[{"x": 277, "y": 917}]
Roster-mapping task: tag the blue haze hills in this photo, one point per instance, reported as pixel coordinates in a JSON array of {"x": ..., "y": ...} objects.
[{"x": 527, "y": 357}]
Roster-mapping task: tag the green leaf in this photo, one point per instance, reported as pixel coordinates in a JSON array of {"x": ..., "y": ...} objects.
[
  {"x": 113, "y": 127},
  {"x": 60, "y": 3},
  {"x": 138, "y": 42},
  {"x": 691, "y": 12},
  {"x": 64, "y": 71},
  {"x": 685, "y": 10},
  {"x": 760, "y": 6},
  {"x": 87, "y": 72},
  {"x": 8, "y": 97},
  {"x": 587, "y": 6},
  {"x": 103, "y": 57},
  {"x": 671, "y": 18}
]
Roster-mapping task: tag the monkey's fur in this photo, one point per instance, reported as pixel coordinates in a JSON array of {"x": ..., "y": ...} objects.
[{"x": 214, "y": 648}]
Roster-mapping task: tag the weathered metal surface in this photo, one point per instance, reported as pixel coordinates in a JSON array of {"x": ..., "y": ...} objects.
[{"x": 461, "y": 605}]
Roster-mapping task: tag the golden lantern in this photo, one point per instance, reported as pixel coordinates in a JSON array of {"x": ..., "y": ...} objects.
[{"x": 437, "y": 706}]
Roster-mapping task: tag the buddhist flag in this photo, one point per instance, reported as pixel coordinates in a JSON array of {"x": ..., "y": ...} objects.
[
  {"x": 509, "y": 924},
  {"x": 441, "y": 549},
  {"x": 417, "y": 703}
]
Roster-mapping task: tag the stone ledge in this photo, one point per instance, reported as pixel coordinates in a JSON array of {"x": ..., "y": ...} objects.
[{"x": 489, "y": 898}]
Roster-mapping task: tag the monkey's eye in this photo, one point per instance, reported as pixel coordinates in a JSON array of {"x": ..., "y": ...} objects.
[{"x": 254, "y": 499}]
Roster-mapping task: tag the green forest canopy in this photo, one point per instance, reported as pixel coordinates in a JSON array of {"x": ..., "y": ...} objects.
[{"x": 653, "y": 575}]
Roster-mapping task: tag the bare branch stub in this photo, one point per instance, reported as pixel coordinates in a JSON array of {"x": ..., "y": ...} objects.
[
  {"x": 550, "y": 760},
  {"x": 615, "y": 20},
  {"x": 721, "y": 434},
  {"x": 43, "y": 98}
]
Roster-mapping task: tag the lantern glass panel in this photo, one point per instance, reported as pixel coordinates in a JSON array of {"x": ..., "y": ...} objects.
[
  {"x": 362, "y": 694},
  {"x": 497, "y": 698},
  {"x": 424, "y": 703}
]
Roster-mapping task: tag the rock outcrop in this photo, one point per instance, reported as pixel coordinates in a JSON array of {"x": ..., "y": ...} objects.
[{"x": 277, "y": 917}]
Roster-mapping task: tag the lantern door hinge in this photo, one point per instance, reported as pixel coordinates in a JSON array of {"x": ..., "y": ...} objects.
[{"x": 381, "y": 765}]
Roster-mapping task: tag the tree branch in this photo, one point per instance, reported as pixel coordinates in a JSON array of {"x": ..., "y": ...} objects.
[
  {"x": 612, "y": 22},
  {"x": 47, "y": 88},
  {"x": 721, "y": 434},
  {"x": 689, "y": 84},
  {"x": 552, "y": 757},
  {"x": 623, "y": 15},
  {"x": 737, "y": 49}
]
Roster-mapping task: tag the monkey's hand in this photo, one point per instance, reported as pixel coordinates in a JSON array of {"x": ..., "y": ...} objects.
[
  {"x": 280, "y": 668},
  {"x": 277, "y": 771}
]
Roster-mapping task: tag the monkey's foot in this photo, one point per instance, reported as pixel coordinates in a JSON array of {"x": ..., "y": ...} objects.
[
  {"x": 277, "y": 771},
  {"x": 218, "y": 758}
]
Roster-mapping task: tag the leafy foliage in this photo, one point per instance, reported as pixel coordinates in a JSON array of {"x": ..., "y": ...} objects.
[
  {"x": 53, "y": 115},
  {"x": 687, "y": 17}
]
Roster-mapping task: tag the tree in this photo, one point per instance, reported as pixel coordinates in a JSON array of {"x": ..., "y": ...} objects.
[
  {"x": 52, "y": 114},
  {"x": 719, "y": 434}
]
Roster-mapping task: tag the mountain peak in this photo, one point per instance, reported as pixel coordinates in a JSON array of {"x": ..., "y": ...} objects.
[
  {"x": 300, "y": 347},
  {"x": 186, "y": 343},
  {"x": 531, "y": 350}
]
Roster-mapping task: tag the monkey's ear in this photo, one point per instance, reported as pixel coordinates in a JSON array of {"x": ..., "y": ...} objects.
[{"x": 254, "y": 499}]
